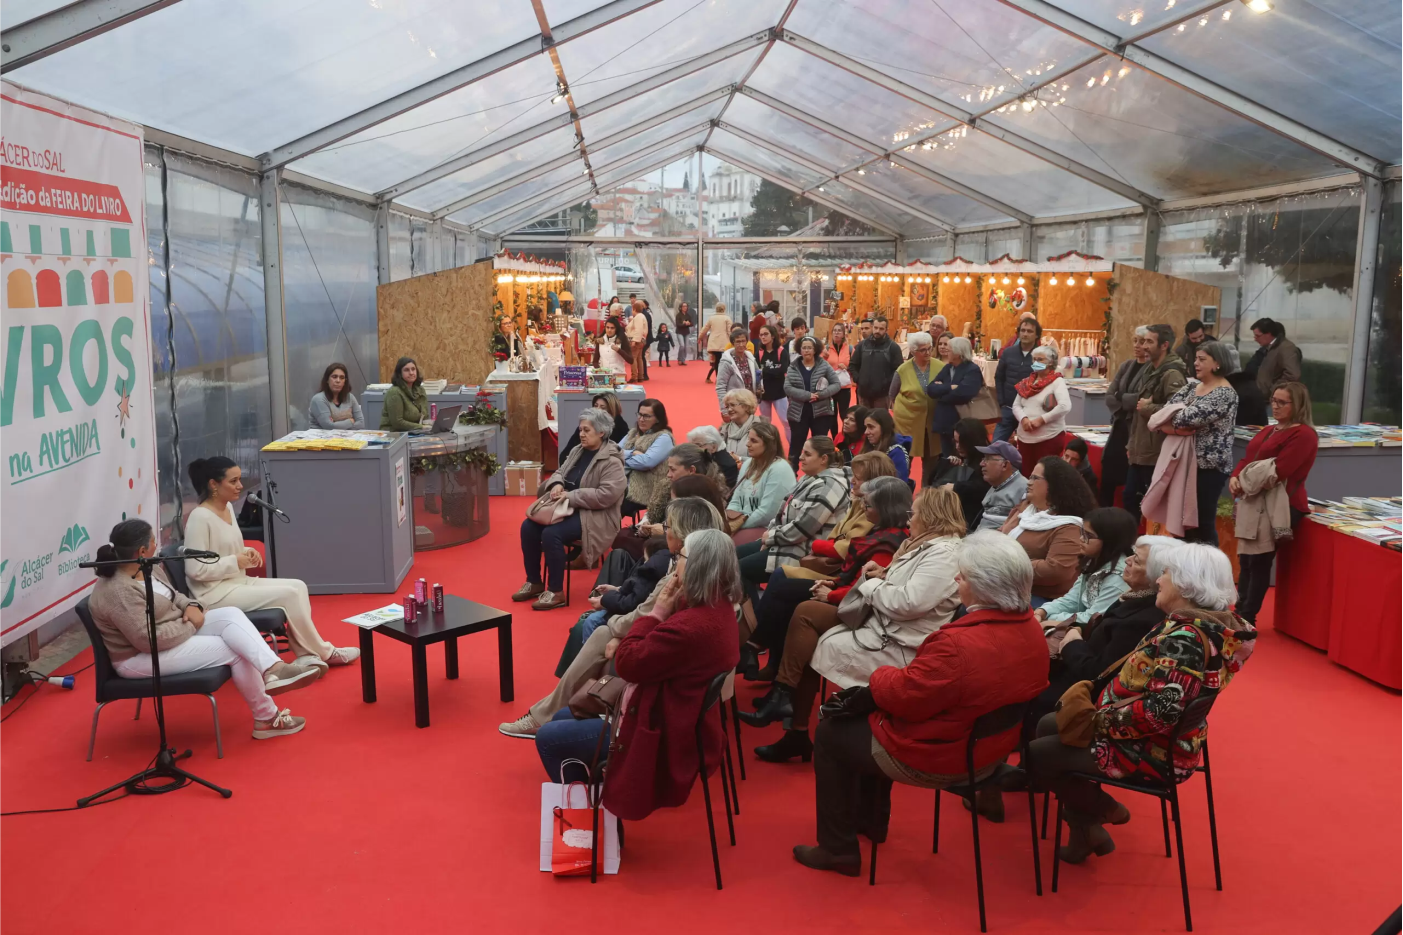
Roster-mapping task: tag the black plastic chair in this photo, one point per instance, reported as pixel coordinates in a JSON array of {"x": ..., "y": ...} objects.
[
  {"x": 986, "y": 725},
  {"x": 1165, "y": 789},
  {"x": 271, "y": 621},
  {"x": 710, "y": 700},
  {"x": 112, "y": 687}
]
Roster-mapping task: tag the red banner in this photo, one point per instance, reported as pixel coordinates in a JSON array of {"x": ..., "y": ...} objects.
[{"x": 42, "y": 193}]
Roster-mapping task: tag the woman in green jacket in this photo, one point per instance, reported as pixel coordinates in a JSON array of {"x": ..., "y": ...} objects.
[{"x": 406, "y": 403}]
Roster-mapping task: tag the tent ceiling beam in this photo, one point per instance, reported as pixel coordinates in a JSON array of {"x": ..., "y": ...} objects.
[
  {"x": 1279, "y": 124},
  {"x": 599, "y": 172},
  {"x": 598, "y": 145},
  {"x": 472, "y": 157},
  {"x": 759, "y": 59},
  {"x": 548, "y": 37},
  {"x": 791, "y": 186},
  {"x": 969, "y": 118},
  {"x": 67, "y": 26},
  {"x": 689, "y": 243},
  {"x": 930, "y": 175},
  {"x": 447, "y": 84}
]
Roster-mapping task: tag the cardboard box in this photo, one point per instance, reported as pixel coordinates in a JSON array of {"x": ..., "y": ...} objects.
[{"x": 523, "y": 478}]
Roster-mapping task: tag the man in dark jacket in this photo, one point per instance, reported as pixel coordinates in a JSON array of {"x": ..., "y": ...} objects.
[
  {"x": 1163, "y": 376},
  {"x": 1277, "y": 360},
  {"x": 1121, "y": 397},
  {"x": 1015, "y": 363},
  {"x": 872, "y": 365},
  {"x": 684, "y": 321}
]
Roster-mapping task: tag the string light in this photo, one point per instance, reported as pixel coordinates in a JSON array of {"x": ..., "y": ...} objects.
[
  {"x": 967, "y": 279},
  {"x": 945, "y": 279},
  {"x": 1006, "y": 280},
  {"x": 1052, "y": 281},
  {"x": 504, "y": 279},
  {"x": 1020, "y": 280},
  {"x": 1260, "y": 6},
  {"x": 1090, "y": 281}
]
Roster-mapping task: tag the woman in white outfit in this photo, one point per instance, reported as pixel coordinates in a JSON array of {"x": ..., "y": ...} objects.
[
  {"x": 212, "y": 527},
  {"x": 188, "y": 636}
]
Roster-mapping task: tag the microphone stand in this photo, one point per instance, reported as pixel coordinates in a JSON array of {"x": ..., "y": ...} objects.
[
  {"x": 163, "y": 766},
  {"x": 269, "y": 535}
]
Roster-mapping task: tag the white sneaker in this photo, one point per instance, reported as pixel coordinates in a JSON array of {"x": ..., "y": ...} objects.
[
  {"x": 283, "y": 677},
  {"x": 343, "y": 655},
  {"x": 524, "y": 727},
  {"x": 313, "y": 661},
  {"x": 281, "y": 726}
]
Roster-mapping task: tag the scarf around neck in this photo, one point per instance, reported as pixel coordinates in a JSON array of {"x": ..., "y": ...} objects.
[
  {"x": 1031, "y": 520},
  {"x": 1036, "y": 382}
]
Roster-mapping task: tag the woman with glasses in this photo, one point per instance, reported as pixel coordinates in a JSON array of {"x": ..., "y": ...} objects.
[
  {"x": 1048, "y": 526},
  {"x": 1107, "y": 536},
  {"x": 1275, "y": 467}
]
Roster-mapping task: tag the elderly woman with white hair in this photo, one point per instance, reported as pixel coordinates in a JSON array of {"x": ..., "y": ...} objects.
[
  {"x": 909, "y": 723},
  {"x": 1041, "y": 405},
  {"x": 911, "y": 408},
  {"x": 1191, "y": 656},
  {"x": 670, "y": 656},
  {"x": 738, "y": 412},
  {"x": 956, "y": 385}
]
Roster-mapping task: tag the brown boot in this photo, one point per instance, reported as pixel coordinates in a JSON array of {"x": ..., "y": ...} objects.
[
  {"x": 990, "y": 804},
  {"x": 816, "y": 858},
  {"x": 1083, "y": 840},
  {"x": 548, "y": 600}
]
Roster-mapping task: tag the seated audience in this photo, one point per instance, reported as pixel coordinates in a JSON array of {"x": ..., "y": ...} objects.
[
  {"x": 1107, "y": 537},
  {"x": 765, "y": 480},
  {"x": 1041, "y": 404},
  {"x": 213, "y": 527},
  {"x": 334, "y": 406},
  {"x": 645, "y": 449},
  {"x": 670, "y": 656},
  {"x": 683, "y": 460},
  {"x": 1048, "y": 526},
  {"x": 854, "y": 439},
  {"x": 903, "y": 603},
  {"x": 1002, "y": 469},
  {"x": 610, "y": 404},
  {"x": 592, "y": 479},
  {"x": 188, "y": 637},
  {"x": 1087, "y": 650},
  {"x": 607, "y": 599},
  {"x": 738, "y": 411},
  {"x": 964, "y": 470},
  {"x": 909, "y": 724},
  {"x": 810, "y": 512},
  {"x": 709, "y": 440},
  {"x": 1075, "y": 454},
  {"x": 684, "y": 516},
  {"x": 1193, "y": 654},
  {"x": 881, "y": 435},
  {"x": 791, "y": 585}
]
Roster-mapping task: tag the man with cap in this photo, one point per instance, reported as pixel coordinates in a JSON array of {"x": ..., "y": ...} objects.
[{"x": 1002, "y": 469}]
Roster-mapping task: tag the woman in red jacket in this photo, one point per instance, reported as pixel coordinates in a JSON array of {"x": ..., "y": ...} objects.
[
  {"x": 1293, "y": 443},
  {"x": 670, "y": 656},
  {"x": 921, "y": 715}
]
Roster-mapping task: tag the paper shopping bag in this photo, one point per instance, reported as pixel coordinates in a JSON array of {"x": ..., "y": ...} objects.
[{"x": 566, "y": 838}]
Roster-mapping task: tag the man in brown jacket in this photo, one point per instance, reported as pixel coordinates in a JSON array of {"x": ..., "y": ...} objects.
[
  {"x": 1161, "y": 377},
  {"x": 1277, "y": 360}
]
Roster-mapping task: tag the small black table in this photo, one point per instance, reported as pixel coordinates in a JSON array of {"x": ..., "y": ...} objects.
[{"x": 460, "y": 617}]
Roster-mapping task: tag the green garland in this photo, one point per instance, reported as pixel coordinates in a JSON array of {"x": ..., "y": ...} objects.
[
  {"x": 483, "y": 414},
  {"x": 458, "y": 461}
]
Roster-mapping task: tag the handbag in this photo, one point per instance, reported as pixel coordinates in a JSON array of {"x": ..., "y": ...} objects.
[
  {"x": 844, "y": 379},
  {"x": 853, "y": 609},
  {"x": 983, "y": 406},
  {"x": 598, "y": 697},
  {"x": 568, "y": 832},
  {"x": 548, "y": 512}
]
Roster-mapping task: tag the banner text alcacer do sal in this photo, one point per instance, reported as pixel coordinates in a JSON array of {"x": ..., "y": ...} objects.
[{"x": 77, "y": 423}]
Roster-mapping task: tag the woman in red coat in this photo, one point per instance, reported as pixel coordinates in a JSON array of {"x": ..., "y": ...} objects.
[
  {"x": 1293, "y": 443},
  {"x": 670, "y": 656},
  {"x": 921, "y": 715}
]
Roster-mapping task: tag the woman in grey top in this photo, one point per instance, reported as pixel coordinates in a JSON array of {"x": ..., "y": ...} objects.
[
  {"x": 334, "y": 406},
  {"x": 810, "y": 384}
]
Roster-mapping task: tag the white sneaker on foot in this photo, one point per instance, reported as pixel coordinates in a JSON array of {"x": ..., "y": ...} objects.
[
  {"x": 524, "y": 727},
  {"x": 343, "y": 655},
  {"x": 280, "y": 726},
  {"x": 313, "y": 661}
]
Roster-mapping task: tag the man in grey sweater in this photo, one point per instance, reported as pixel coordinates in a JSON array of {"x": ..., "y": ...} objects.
[{"x": 1002, "y": 469}]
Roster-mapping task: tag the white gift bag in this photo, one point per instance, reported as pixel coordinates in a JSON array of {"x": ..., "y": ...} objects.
[{"x": 576, "y": 795}]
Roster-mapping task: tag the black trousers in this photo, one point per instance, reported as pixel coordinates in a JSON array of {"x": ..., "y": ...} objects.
[
  {"x": 715, "y": 362},
  {"x": 1137, "y": 484},
  {"x": 806, "y": 425},
  {"x": 782, "y": 595},
  {"x": 1114, "y": 461},
  {"x": 1254, "y": 577},
  {"x": 843, "y": 401},
  {"x": 753, "y": 558},
  {"x": 851, "y": 793},
  {"x": 1049, "y": 759},
  {"x": 1210, "y": 488}
]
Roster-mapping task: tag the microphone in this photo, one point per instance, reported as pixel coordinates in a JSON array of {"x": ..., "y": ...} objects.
[
  {"x": 256, "y": 500},
  {"x": 183, "y": 552}
]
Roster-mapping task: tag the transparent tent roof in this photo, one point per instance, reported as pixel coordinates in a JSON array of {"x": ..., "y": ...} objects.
[{"x": 918, "y": 117}]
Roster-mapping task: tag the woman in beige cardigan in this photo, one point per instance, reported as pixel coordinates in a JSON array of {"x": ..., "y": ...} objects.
[{"x": 212, "y": 527}]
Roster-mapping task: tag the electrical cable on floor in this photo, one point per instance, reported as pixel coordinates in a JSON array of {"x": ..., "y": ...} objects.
[
  {"x": 35, "y": 679},
  {"x": 70, "y": 808}
]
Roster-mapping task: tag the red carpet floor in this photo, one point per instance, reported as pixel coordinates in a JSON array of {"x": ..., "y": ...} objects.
[{"x": 364, "y": 824}]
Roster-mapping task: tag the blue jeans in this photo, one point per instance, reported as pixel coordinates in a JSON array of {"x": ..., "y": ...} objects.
[
  {"x": 551, "y": 540},
  {"x": 592, "y": 622},
  {"x": 1007, "y": 424},
  {"x": 1035, "y": 602},
  {"x": 565, "y": 738}
]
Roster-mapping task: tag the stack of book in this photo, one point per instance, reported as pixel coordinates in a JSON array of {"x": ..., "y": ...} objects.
[
  {"x": 1364, "y": 435},
  {"x": 1375, "y": 519}
]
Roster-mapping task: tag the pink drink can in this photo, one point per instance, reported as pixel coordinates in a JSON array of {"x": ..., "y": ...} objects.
[
  {"x": 421, "y": 590},
  {"x": 409, "y": 609},
  {"x": 438, "y": 598},
  {"x": 433, "y": 411}
]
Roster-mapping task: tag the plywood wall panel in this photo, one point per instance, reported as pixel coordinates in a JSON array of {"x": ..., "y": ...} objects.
[
  {"x": 442, "y": 320},
  {"x": 1145, "y": 298}
]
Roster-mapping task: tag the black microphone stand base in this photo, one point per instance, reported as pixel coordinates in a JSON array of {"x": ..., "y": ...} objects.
[{"x": 164, "y": 768}]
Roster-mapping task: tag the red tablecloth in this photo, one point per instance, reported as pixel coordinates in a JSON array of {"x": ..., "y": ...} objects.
[{"x": 1339, "y": 593}]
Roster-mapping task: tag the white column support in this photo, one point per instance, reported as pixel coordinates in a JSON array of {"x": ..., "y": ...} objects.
[
  {"x": 564, "y": 120},
  {"x": 1365, "y": 259},
  {"x": 447, "y": 84},
  {"x": 1025, "y": 241},
  {"x": 1153, "y": 221},
  {"x": 1264, "y": 117},
  {"x": 270, "y": 211},
  {"x": 67, "y": 26},
  {"x": 701, "y": 246}
]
